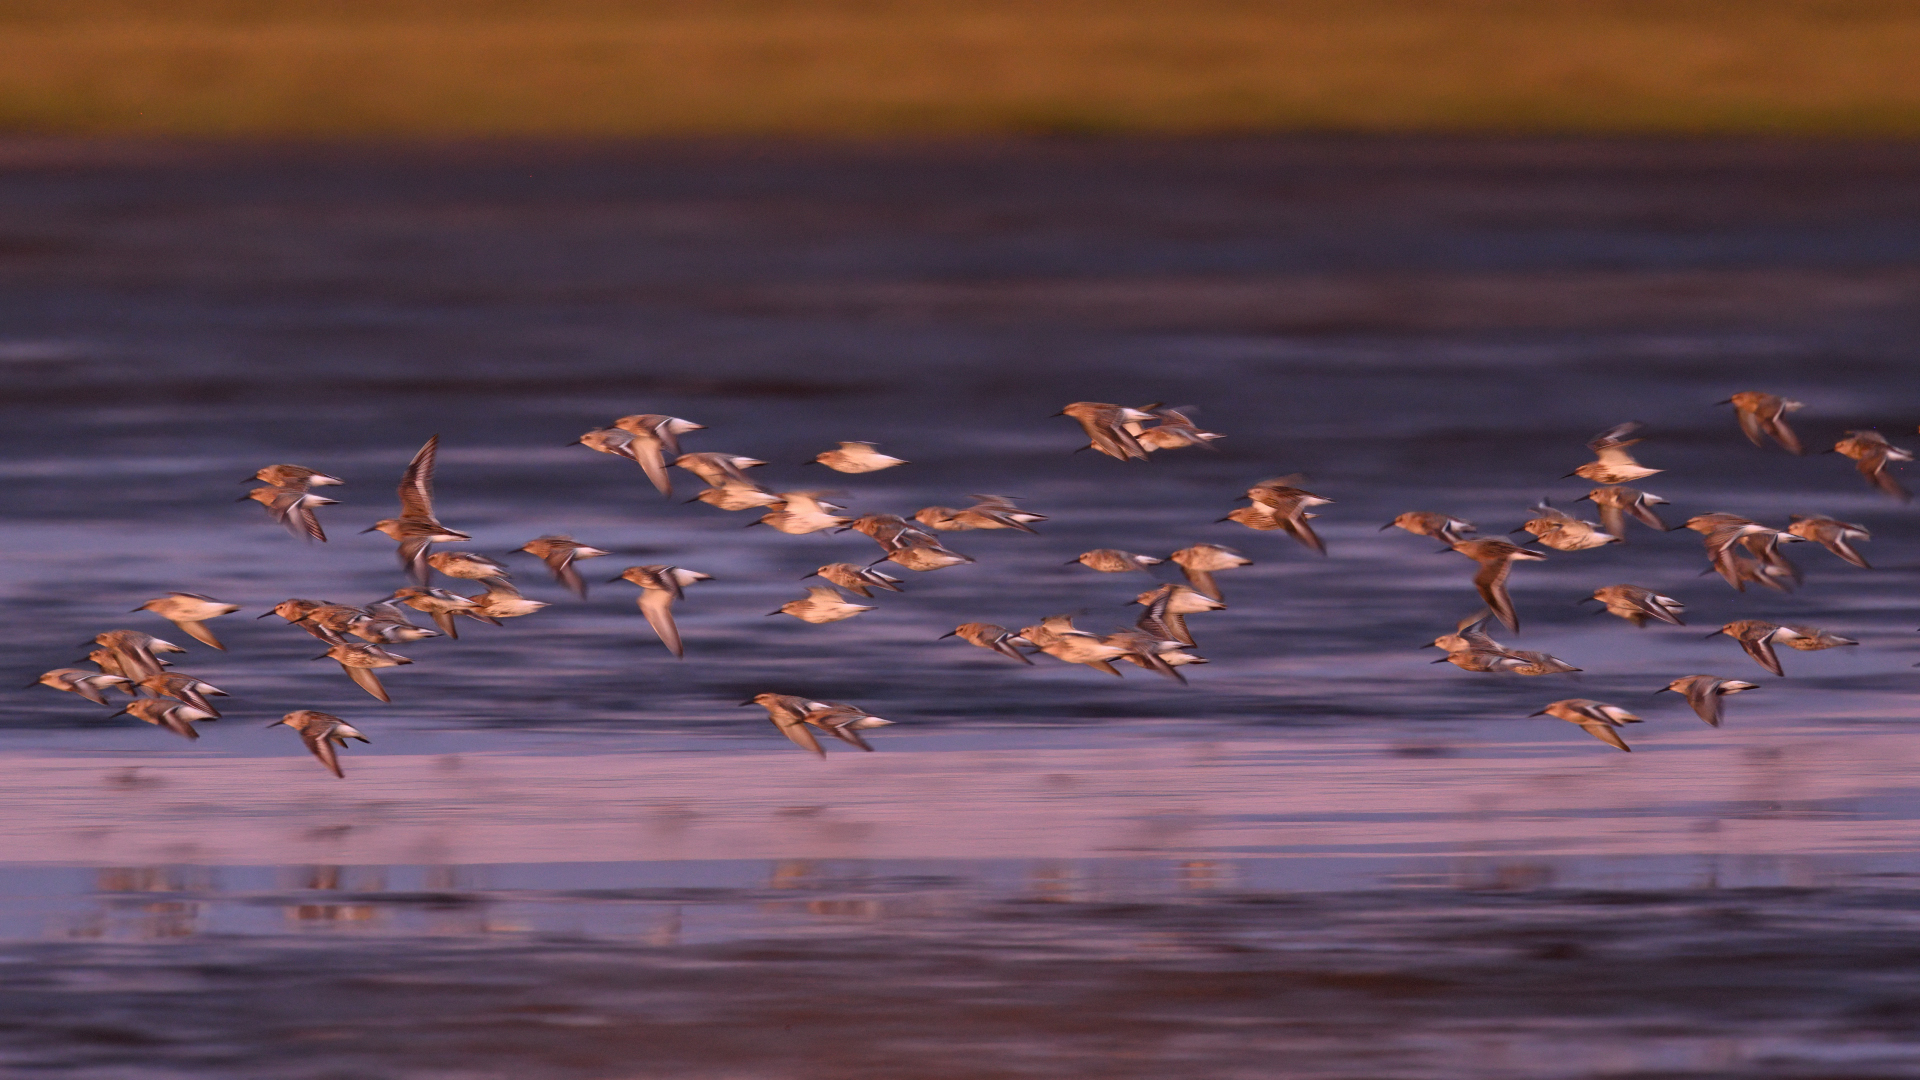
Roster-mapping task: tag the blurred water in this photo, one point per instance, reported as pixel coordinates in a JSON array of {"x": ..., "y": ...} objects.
[{"x": 1321, "y": 839}]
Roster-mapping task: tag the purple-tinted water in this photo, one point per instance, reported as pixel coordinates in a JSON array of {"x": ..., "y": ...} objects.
[{"x": 567, "y": 854}]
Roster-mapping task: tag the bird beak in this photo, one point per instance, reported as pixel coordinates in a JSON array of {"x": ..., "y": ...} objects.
[
  {"x": 611, "y": 580},
  {"x": 262, "y": 615},
  {"x": 142, "y": 607},
  {"x": 1069, "y": 562},
  {"x": 243, "y": 498},
  {"x": 1061, "y": 413},
  {"x": 1729, "y": 401},
  {"x": 948, "y": 634},
  {"x": 1429, "y": 645},
  {"x": 1387, "y": 526},
  {"x": 1217, "y": 521},
  {"x": 780, "y": 612},
  {"x": 322, "y": 656},
  {"x": 122, "y": 712},
  {"x": 368, "y": 529},
  {"x": 749, "y": 701},
  {"x": 1442, "y": 660},
  {"x": 1521, "y": 529},
  {"x": 1716, "y": 633},
  {"x": 1569, "y": 475},
  {"x": 1662, "y": 690},
  {"x": 1542, "y": 712},
  {"x": 276, "y": 723},
  {"x": 31, "y": 685},
  {"x": 1583, "y": 600}
]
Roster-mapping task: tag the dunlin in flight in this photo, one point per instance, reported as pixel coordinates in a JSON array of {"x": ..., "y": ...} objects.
[
  {"x": 1174, "y": 430},
  {"x": 440, "y": 604},
  {"x": 1105, "y": 425},
  {"x": 654, "y": 439},
  {"x": 660, "y": 585},
  {"x": 988, "y": 512},
  {"x": 1443, "y": 527},
  {"x": 322, "y": 732},
  {"x": 359, "y": 662},
  {"x": 987, "y": 636},
  {"x": 1612, "y": 463},
  {"x": 1765, "y": 416},
  {"x": 182, "y": 687},
  {"x": 189, "y": 611},
  {"x": 91, "y": 685},
  {"x": 718, "y": 470},
  {"x": 1496, "y": 559},
  {"x": 292, "y": 476},
  {"x": 1113, "y": 560},
  {"x": 1637, "y": 605},
  {"x": 1562, "y": 531},
  {"x": 1704, "y": 692},
  {"x": 1835, "y": 536},
  {"x": 293, "y": 508},
  {"x": 856, "y": 457},
  {"x": 801, "y": 512},
  {"x": 821, "y": 605},
  {"x": 1870, "y": 452},
  {"x": 1286, "y": 508},
  {"x": 1056, "y": 636},
  {"x": 1616, "y": 504},
  {"x": 860, "y": 580},
  {"x": 176, "y": 716},
  {"x": 560, "y": 553},
  {"x": 503, "y": 601},
  {"x": 1201, "y": 561},
  {"x": 1757, "y": 638},
  {"x": 1167, "y": 608},
  {"x": 417, "y": 529},
  {"x": 1598, "y": 718},
  {"x": 134, "y": 653}
]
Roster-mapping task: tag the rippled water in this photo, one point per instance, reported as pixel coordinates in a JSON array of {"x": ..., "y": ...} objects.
[{"x": 568, "y": 854}]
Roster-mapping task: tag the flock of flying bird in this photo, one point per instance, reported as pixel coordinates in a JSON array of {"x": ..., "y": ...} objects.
[{"x": 1742, "y": 551}]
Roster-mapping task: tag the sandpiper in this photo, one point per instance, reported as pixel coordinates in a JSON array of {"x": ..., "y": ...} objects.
[
  {"x": 182, "y": 687},
  {"x": 660, "y": 585},
  {"x": 176, "y": 716},
  {"x": 652, "y": 439},
  {"x": 1870, "y": 452},
  {"x": 559, "y": 553},
  {"x": 1287, "y": 507},
  {"x": 386, "y": 624},
  {"x": 1704, "y": 692},
  {"x": 987, "y": 512},
  {"x": 440, "y": 604},
  {"x": 1765, "y": 415},
  {"x": 793, "y": 715},
  {"x": 1496, "y": 559},
  {"x": 1835, "y": 536},
  {"x": 1636, "y": 604},
  {"x": 1757, "y": 638},
  {"x": 1617, "y": 503},
  {"x": 1612, "y": 463},
  {"x": 1174, "y": 431},
  {"x": 1167, "y": 608},
  {"x": 1562, "y": 531},
  {"x": 359, "y": 660},
  {"x": 1104, "y": 425},
  {"x": 856, "y": 457},
  {"x": 734, "y": 495},
  {"x": 416, "y": 529},
  {"x": 821, "y": 605},
  {"x": 1201, "y": 561},
  {"x": 134, "y": 652},
  {"x": 987, "y": 636},
  {"x": 469, "y": 566},
  {"x": 1056, "y": 636},
  {"x": 718, "y": 470},
  {"x": 1143, "y": 648},
  {"x": 91, "y": 685},
  {"x": 860, "y": 580},
  {"x": 321, "y": 732},
  {"x": 293, "y": 507},
  {"x": 503, "y": 601},
  {"x": 801, "y": 512},
  {"x": 189, "y": 611},
  {"x": 1113, "y": 560},
  {"x": 1598, "y": 718},
  {"x": 1442, "y": 527}
]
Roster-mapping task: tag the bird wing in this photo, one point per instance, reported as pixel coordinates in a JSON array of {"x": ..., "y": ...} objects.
[
  {"x": 367, "y": 681},
  {"x": 1776, "y": 426},
  {"x": 1492, "y": 583},
  {"x": 1757, "y": 429},
  {"x": 322, "y": 748},
  {"x": 1839, "y": 546},
  {"x": 1613, "y": 519},
  {"x": 413, "y": 556},
  {"x": 652, "y": 462},
  {"x": 1001, "y": 645},
  {"x": 657, "y": 606},
  {"x": 297, "y": 516},
  {"x": 561, "y": 563},
  {"x": 1299, "y": 529},
  {"x": 1110, "y": 439},
  {"x": 200, "y": 633},
  {"x": 416, "y": 484},
  {"x": 1705, "y": 701},
  {"x": 1603, "y": 731},
  {"x": 797, "y": 731},
  {"x": 1761, "y": 649}
]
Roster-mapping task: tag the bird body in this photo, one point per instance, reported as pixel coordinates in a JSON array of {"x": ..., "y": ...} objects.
[
  {"x": 1756, "y": 637},
  {"x": 1200, "y": 562},
  {"x": 1612, "y": 463},
  {"x": 1113, "y": 560},
  {"x": 1765, "y": 415},
  {"x": 503, "y": 601},
  {"x": 188, "y": 611},
  {"x": 989, "y": 512},
  {"x": 798, "y": 513},
  {"x": 559, "y": 553},
  {"x": 860, "y": 580},
  {"x": 91, "y": 685},
  {"x": 1871, "y": 452},
  {"x": 417, "y": 529},
  {"x": 293, "y": 476},
  {"x": 322, "y": 732},
  {"x": 293, "y": 507},
  {"x": 1174, "y": 431},
  {"x": 185, "y": 688},
  {"x": 1703, "y": 693},
  {"x": 989, "y": 636},
  {"x": 793, "y": 716},
  {"x": 1835, "y": 536},
  {"x": 651, "y": 438},
  {"x": 1564, "y": 532},
  {"x": 468, "y": 566},
  {"x": 1105, "y": 425},
  {"x": 1056, "y": 636},
  {"x": 1599, "y": 719},
  {"x": 1616, "y": 504},
  {"x": 176, "y": 716},
  {"x": 440, "y": 604},
  {"x": 821, "y": 605},
  {"x": 1496, "y": 559},
  {"x": 660, "y": 585},
  {"x": 718, "y": 470},
  {"x": 359, "y": 662},
  {"x": 1637, "y": 605},
  {"x": 1443, "y": 527},
  {"x": 857, "y": 457}
]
